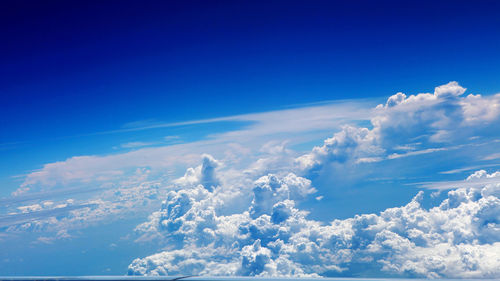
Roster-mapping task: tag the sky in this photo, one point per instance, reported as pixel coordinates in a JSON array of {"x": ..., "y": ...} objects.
[{"x": 252, "y": 138}]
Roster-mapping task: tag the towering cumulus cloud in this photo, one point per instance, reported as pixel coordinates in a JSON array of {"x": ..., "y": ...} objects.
[
  {"x": 458, "y": 238},
  {"x": 406, "y": 125}
]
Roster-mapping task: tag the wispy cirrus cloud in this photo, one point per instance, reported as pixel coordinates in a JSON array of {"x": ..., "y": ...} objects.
[
  {"x": 135, "y": 144},
  {"x": 164, "y": 141},
  {"x": 478, "y": 179},
  {"x": 469, "y": 168},
  {"x": 493, "y": 156},
  {"x": 26, "y": 217},
  {"x": 298, "y": 124}
]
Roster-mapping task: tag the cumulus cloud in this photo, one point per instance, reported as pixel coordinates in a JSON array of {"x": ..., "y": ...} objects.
[
  {"x": 350, "y": 143},
  {"x": 203, "y": 174},
  {"x": 271, "y": 189},
  {"x": 422, "y": 123},
  {"x": 190, "y": 218},
  {"x": 271, "y": 236}
]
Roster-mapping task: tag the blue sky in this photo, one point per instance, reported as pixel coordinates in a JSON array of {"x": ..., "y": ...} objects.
[
  {"x": 73, "y": 69},
  {"x": 280, "y": 115}
]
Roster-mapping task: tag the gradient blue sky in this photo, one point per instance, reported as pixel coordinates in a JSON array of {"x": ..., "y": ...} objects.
[
  {"x": 110, "y": 79},
  {"x": 73, "y": 68}
]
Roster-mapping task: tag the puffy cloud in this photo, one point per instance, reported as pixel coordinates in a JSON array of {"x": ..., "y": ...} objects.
[
  {"x": 203, "y": 241},
  {"x": 204, "y": 174},
  {"x": 271, "y": 189},
  {"x": 410, "y": 124},
  {"x": 350, "y": 143},
  {"x": 478, "y": 110},
  {"x": 434, "y": 118},
  {"x": 451, "y": 89},
  {"x": 458, "y": 238},
  {"x": 482, "y": 174}
]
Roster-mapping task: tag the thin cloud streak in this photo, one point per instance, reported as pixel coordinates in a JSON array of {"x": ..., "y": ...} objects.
[
  {"x": 446, "y": 185},
  {"x": 470, "y": 168},
  {"x": 15, "y": 219},
  {"x": 261, "y": 116},
  {"x": 7, "y": 201}
]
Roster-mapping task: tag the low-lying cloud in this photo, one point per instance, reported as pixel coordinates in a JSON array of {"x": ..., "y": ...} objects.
[{"x": 460, "y": 237}]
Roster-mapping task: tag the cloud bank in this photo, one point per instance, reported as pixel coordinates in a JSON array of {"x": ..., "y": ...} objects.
[{"x": 458, "y": 238}]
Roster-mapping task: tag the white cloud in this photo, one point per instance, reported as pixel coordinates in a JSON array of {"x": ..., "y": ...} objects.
[
  {"x": 130, "y": 199},
  {"x": 97, "y": 178},
  {"x": 299, "y": 124},
  {"x": 459, "y": 238},
  {"x": 492, "y": 156},
  {"x": 439, "y": 121},
  {"x": 426, "y": 122},
  {"x": 477, "y": 179},
  {"x": 271, "y": 190},
  {"x": 470, "y": 168},
  {"x": 136, "y": 144},
  {"x": 481, "y": 174},
  {"x": 416, "y": 152},
  {"x": 258, "y": 185},
  {"x": 451, "y": 89},
  {"x": 349, "y": 143},
  {"x": 203, "y": 174}
]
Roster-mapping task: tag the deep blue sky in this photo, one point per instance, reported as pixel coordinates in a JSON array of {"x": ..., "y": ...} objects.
[{"x": 72, "y": 68}]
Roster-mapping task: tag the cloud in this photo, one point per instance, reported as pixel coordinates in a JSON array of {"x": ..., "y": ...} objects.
[
  {"x": 492, "y": 156},
  {"x": 242, "y": 213},
  {"x": 189, "y": 219},
  {"x": 270, "y": 190},
  {"x": 458, "y": 238},
  {"x": 459, "y": 170},
  {"x": 32, "y": 213},
  {"x": 257, "y": 162},
  {"x": 416, "y": 152},
  {"x": 452, "y": 89},
  {"x": 477, "y": 179},
  {"x": 204, "y": 174},
  {"x": 136, "y": 144},
  {"x": 96, "y": 178},
  {"x": 425, "y": 123},
  {"x": 299, "y": 124},
  {"x": 130, "y": 199},
  {"x": 36, "y": 196},
  {"x": 438, "y": 121},
  {"x": 350, "y": 143}
]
